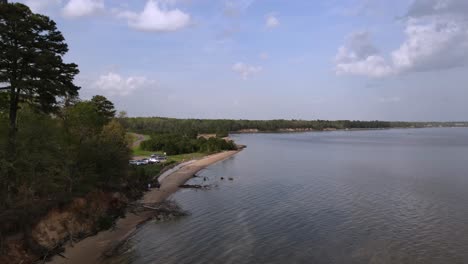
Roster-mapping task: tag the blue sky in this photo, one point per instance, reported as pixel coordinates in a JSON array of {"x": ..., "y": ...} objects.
[{"x": 268, "y": 59}]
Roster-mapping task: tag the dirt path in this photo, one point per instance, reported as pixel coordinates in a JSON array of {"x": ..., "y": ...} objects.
[
  {"x": 90, "y": 250},
  {"x": 139, "y": 138}
]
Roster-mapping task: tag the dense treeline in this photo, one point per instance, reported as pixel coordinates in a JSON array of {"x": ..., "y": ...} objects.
[
  {"x": 172, "y": 125},
  {"x": 53, "y": 146},
  {"x": 174, "y": 144},
  {"x": 76, "y": 150},
  {"x": 189, "y": 126}
]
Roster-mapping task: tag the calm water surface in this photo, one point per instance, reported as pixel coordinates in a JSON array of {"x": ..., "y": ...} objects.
[{"x": 388, "y": 196}]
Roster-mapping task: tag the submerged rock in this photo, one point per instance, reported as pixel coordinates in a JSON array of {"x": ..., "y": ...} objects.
[{"x": 167, "y": 211}]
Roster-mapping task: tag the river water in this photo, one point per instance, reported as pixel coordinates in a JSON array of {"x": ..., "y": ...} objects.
[{"x": 379, "y": 196}]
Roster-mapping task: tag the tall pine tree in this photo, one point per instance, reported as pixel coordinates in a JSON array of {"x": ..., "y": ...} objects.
[{"x": 32, "y": 70}]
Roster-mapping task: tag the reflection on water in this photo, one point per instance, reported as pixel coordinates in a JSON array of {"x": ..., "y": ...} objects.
[{"x": 392, "y": 196}]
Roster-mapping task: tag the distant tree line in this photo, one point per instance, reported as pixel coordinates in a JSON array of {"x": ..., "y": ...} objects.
[
  {"x": 223, "y": 126},
  {"x": 174, "y": 144}
]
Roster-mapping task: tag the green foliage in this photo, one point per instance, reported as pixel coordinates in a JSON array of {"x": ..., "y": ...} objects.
[
  {"x": 38, "y": 167},
  {"x": 74, "y": 153},
  {"x": 174, "y": 144},
  {"x": 222, "y": 134},
  {"x": 4, "y": 100},
  {"x": 32, "y": 71},
  {"x": 35, "y": 41},
  {"x": 161, "y": 125},
  {"x": 139, "y": 177},
  {"x": 52, "y": 147},
  {"x": 82, "y": 120},
  {"x": 154, "y": 169},
  {"x": 113, "y": 153},
  {"x": 221, "y": 127},
  {"x": 104, "y": 107}
]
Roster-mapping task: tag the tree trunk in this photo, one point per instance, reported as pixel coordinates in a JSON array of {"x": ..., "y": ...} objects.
[
  {"x": 13, "y": 113},
  {"x": 11, "y": 144}
]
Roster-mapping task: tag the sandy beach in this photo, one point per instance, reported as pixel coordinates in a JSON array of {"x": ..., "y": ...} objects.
[{"x": 90, "y": 250}]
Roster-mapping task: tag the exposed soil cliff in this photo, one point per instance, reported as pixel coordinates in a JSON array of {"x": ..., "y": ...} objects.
[{"x": 80, "y": 218}]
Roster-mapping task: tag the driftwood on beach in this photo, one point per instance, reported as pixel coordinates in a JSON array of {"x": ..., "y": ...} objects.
[{"x": 195, "y": 186}]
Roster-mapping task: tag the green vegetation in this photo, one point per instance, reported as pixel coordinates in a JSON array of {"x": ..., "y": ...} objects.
[
  {"x": 53, "y": 146},
  {"x": 174, "y": 144},
  {"x": 133, "y": 138},
  {"x": 152, "y": 170},
  {"x": 32, "y": 71},
  {"x": 65, "y": 155},
  {"x": 139, "y": 152},
  {"x": 221, "y": 127},
  {"x": 185, "y": 157},
  {"x": 136, "y": 148}
]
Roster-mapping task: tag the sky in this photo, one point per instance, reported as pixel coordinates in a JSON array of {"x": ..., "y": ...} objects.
[{"x": 271, "y": 59}]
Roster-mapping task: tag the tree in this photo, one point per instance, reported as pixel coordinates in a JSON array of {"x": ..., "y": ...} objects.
[
  {"x": 113, "y": 153},
  {"x": 82, "y": 121},
  {"x": 81, "y": 124},
  {"x": 104, "y": 107},
  {"x": 3, "y": 105},
  {"x": 32, "y": 70}
]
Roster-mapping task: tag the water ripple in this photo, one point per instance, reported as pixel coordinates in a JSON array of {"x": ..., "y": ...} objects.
[{"x": 396, "y": 196}]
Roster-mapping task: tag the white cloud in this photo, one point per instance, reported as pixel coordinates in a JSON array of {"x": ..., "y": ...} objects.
[
  {"x": 115, "y": 84},
  {"x": 440, "y": 43},
  {"x": 246, "y": 70},
  {"x": 436, "y": 39},
  {"x": 39, "y": 6},
  {"x": 264, "y": 56},
  {"x": 156, "y": 18},
  {"x": 271, "y": 21},
  {"x": 80, "y": 8},
  {"x": 360, "y": 57}
]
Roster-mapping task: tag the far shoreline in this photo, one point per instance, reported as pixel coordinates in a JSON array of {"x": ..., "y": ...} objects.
[{"x": 294, "y": 131}]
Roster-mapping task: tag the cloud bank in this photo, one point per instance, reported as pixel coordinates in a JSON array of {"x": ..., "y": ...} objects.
[
  {"x": 81, "y": 8},
  {"x": 436, "y": 38},
  {"x": 155, "y": 17},
  {"x": 114, "y": 84}
]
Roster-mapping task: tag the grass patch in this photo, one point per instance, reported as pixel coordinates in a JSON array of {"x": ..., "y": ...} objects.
[
  {"x": 154, "y": 169},
  {"x": 185, "y": 157},
  {"x": 131, "y": 137},
  {"x": 137, "y": 151}
]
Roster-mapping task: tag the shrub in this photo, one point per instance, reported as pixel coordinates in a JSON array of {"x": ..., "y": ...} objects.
[{"x": 174, "y": 144}]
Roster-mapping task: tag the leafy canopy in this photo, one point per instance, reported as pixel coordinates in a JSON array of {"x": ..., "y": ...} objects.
[
  {"x": 32, "y": 70},
  {"x": 104, "y": 107}
]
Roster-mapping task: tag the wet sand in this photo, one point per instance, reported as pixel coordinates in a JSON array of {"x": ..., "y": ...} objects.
[{"x": 90, "y": 250}]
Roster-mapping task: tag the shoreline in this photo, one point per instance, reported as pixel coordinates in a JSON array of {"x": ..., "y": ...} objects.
[
  {"x": 295, "y": 131},
  {"x": 91, "y": 249}
]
